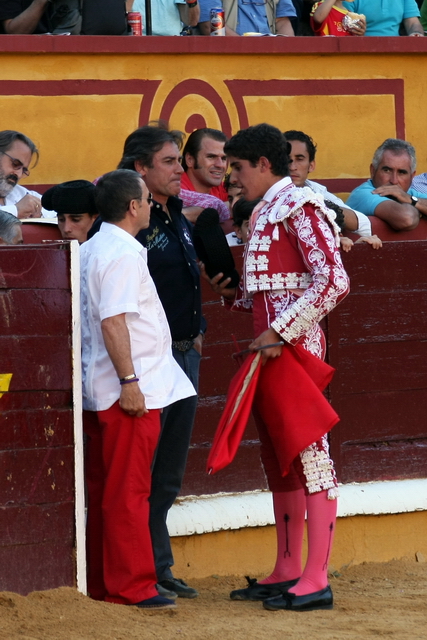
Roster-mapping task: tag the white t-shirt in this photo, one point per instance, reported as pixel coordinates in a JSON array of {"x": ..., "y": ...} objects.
[
  {"x": 364, "y": 228},
  {"x": 115, "y": 280},
  {"x": 17, "y": 193}
]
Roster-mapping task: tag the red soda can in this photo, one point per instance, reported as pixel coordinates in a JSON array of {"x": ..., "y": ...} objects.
[
  {"x": 135, "y": 23},
  {"x": 217, "y": 22}
]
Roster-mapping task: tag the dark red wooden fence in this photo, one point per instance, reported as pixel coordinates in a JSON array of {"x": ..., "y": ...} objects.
[
  {"x": 36, "y": 421},
  {"x": 377, "y": 341}
]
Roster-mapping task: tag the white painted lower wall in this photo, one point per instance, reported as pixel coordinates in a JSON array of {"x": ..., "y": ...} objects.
[{"x": 206, "y": 514}]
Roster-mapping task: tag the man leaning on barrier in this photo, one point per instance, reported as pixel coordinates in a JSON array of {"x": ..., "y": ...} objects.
[{"x": 388, "y": 194}]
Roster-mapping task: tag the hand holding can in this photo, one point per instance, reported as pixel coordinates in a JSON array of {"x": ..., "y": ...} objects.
[{"x": 217, "y": 22}]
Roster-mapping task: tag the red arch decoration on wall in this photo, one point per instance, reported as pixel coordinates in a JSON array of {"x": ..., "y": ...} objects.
[{"x": 196, "y": 120}]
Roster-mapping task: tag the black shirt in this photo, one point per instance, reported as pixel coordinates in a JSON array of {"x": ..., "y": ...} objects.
[{"x": 172, "y": 262}]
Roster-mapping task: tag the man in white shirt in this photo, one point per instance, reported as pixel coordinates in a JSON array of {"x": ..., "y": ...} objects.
[
  {"x": 16, "y": 153},
  {"x": 129, "y": 375},
  {"x": 302, "y": 163}
]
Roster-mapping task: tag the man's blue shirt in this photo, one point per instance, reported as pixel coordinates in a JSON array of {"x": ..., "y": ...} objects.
[
  {"x": 384, "y": 17},
  {"x": 251, "y": 16}
]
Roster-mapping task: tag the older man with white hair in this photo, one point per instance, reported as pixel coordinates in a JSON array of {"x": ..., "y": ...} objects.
[{"x": 10, "y": 229}]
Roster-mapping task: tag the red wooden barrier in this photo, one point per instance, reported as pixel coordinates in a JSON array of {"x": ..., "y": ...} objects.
[
  {"x": 377, "y": 340},
  {"x": 36, "y": 426}
]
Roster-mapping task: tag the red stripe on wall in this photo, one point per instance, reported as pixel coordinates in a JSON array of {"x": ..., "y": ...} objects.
[{"x": 240, "y": 89}]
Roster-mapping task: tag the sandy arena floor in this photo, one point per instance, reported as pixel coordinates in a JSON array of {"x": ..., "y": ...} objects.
[{"x": 371, "y": 601}]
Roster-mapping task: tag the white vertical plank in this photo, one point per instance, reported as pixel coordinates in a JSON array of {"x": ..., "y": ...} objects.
[{"x": 77, "y": 418}]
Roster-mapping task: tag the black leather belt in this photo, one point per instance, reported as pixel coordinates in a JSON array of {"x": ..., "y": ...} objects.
[{"x": 182, "y": 345}]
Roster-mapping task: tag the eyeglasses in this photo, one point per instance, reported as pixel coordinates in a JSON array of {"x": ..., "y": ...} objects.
[
  {"x": 17, "y": 164},
  {"x": 149, "y": 199}
]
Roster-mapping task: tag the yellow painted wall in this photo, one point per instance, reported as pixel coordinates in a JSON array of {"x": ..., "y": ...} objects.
[
  {"x": 251, "y": 551},
  {"x": 81, "y": 136}
]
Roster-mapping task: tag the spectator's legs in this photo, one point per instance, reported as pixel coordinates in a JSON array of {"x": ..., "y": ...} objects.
[{"x": 169, "y": 465}]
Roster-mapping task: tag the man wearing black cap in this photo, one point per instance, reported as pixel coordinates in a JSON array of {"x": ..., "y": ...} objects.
[{"x": 74, "y": 203}]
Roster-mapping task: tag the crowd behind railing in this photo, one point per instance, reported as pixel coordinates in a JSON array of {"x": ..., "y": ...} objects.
[
  {"x": 215, "y": 17},
  {"x": 394, "y": 194}
]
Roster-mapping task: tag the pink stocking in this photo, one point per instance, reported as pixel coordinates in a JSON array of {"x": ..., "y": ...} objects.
[
  {"x": 321, "y": 517},
  {"x": 289, "y": 513}
]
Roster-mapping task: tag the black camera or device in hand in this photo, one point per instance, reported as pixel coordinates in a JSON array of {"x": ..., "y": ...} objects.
[{"x": 212, "y": 247}]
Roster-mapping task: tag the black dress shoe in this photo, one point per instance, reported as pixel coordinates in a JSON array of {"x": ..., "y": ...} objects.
[
  {"x": 256, "y": 591},
  {"x": 290, "y": 602},
  {"x": 166, "y": 593},
  {"x": 179, "y": 587}
]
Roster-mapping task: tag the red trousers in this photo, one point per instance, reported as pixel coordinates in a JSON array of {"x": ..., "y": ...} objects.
[{"x": 119, "y": 454}]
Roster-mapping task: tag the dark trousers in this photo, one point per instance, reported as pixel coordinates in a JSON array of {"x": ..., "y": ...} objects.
[{"x": 169, "y": 465}]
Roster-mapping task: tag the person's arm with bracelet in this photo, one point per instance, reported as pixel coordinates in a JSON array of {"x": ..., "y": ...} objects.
[
  {"x": 189, "y": 12},
  {"x": 117, "y": 342},
  {"x": 414, "y": 205}
]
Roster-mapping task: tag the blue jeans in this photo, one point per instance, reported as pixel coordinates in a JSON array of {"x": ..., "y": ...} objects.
[{"x": 169, "y": 465}]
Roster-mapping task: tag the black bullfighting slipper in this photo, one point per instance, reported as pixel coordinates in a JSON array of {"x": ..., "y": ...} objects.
[
  {"x": 256, "y": 591},
  {"x": 290, "y": 602}
]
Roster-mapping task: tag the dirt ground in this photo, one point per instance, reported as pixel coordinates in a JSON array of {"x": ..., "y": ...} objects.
[{"x": 371, "y": 601}]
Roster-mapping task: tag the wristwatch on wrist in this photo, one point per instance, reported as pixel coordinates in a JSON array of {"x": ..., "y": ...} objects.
[
  {"x": 414, "y": 201},
  {"x": 193, "y": 4}
]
